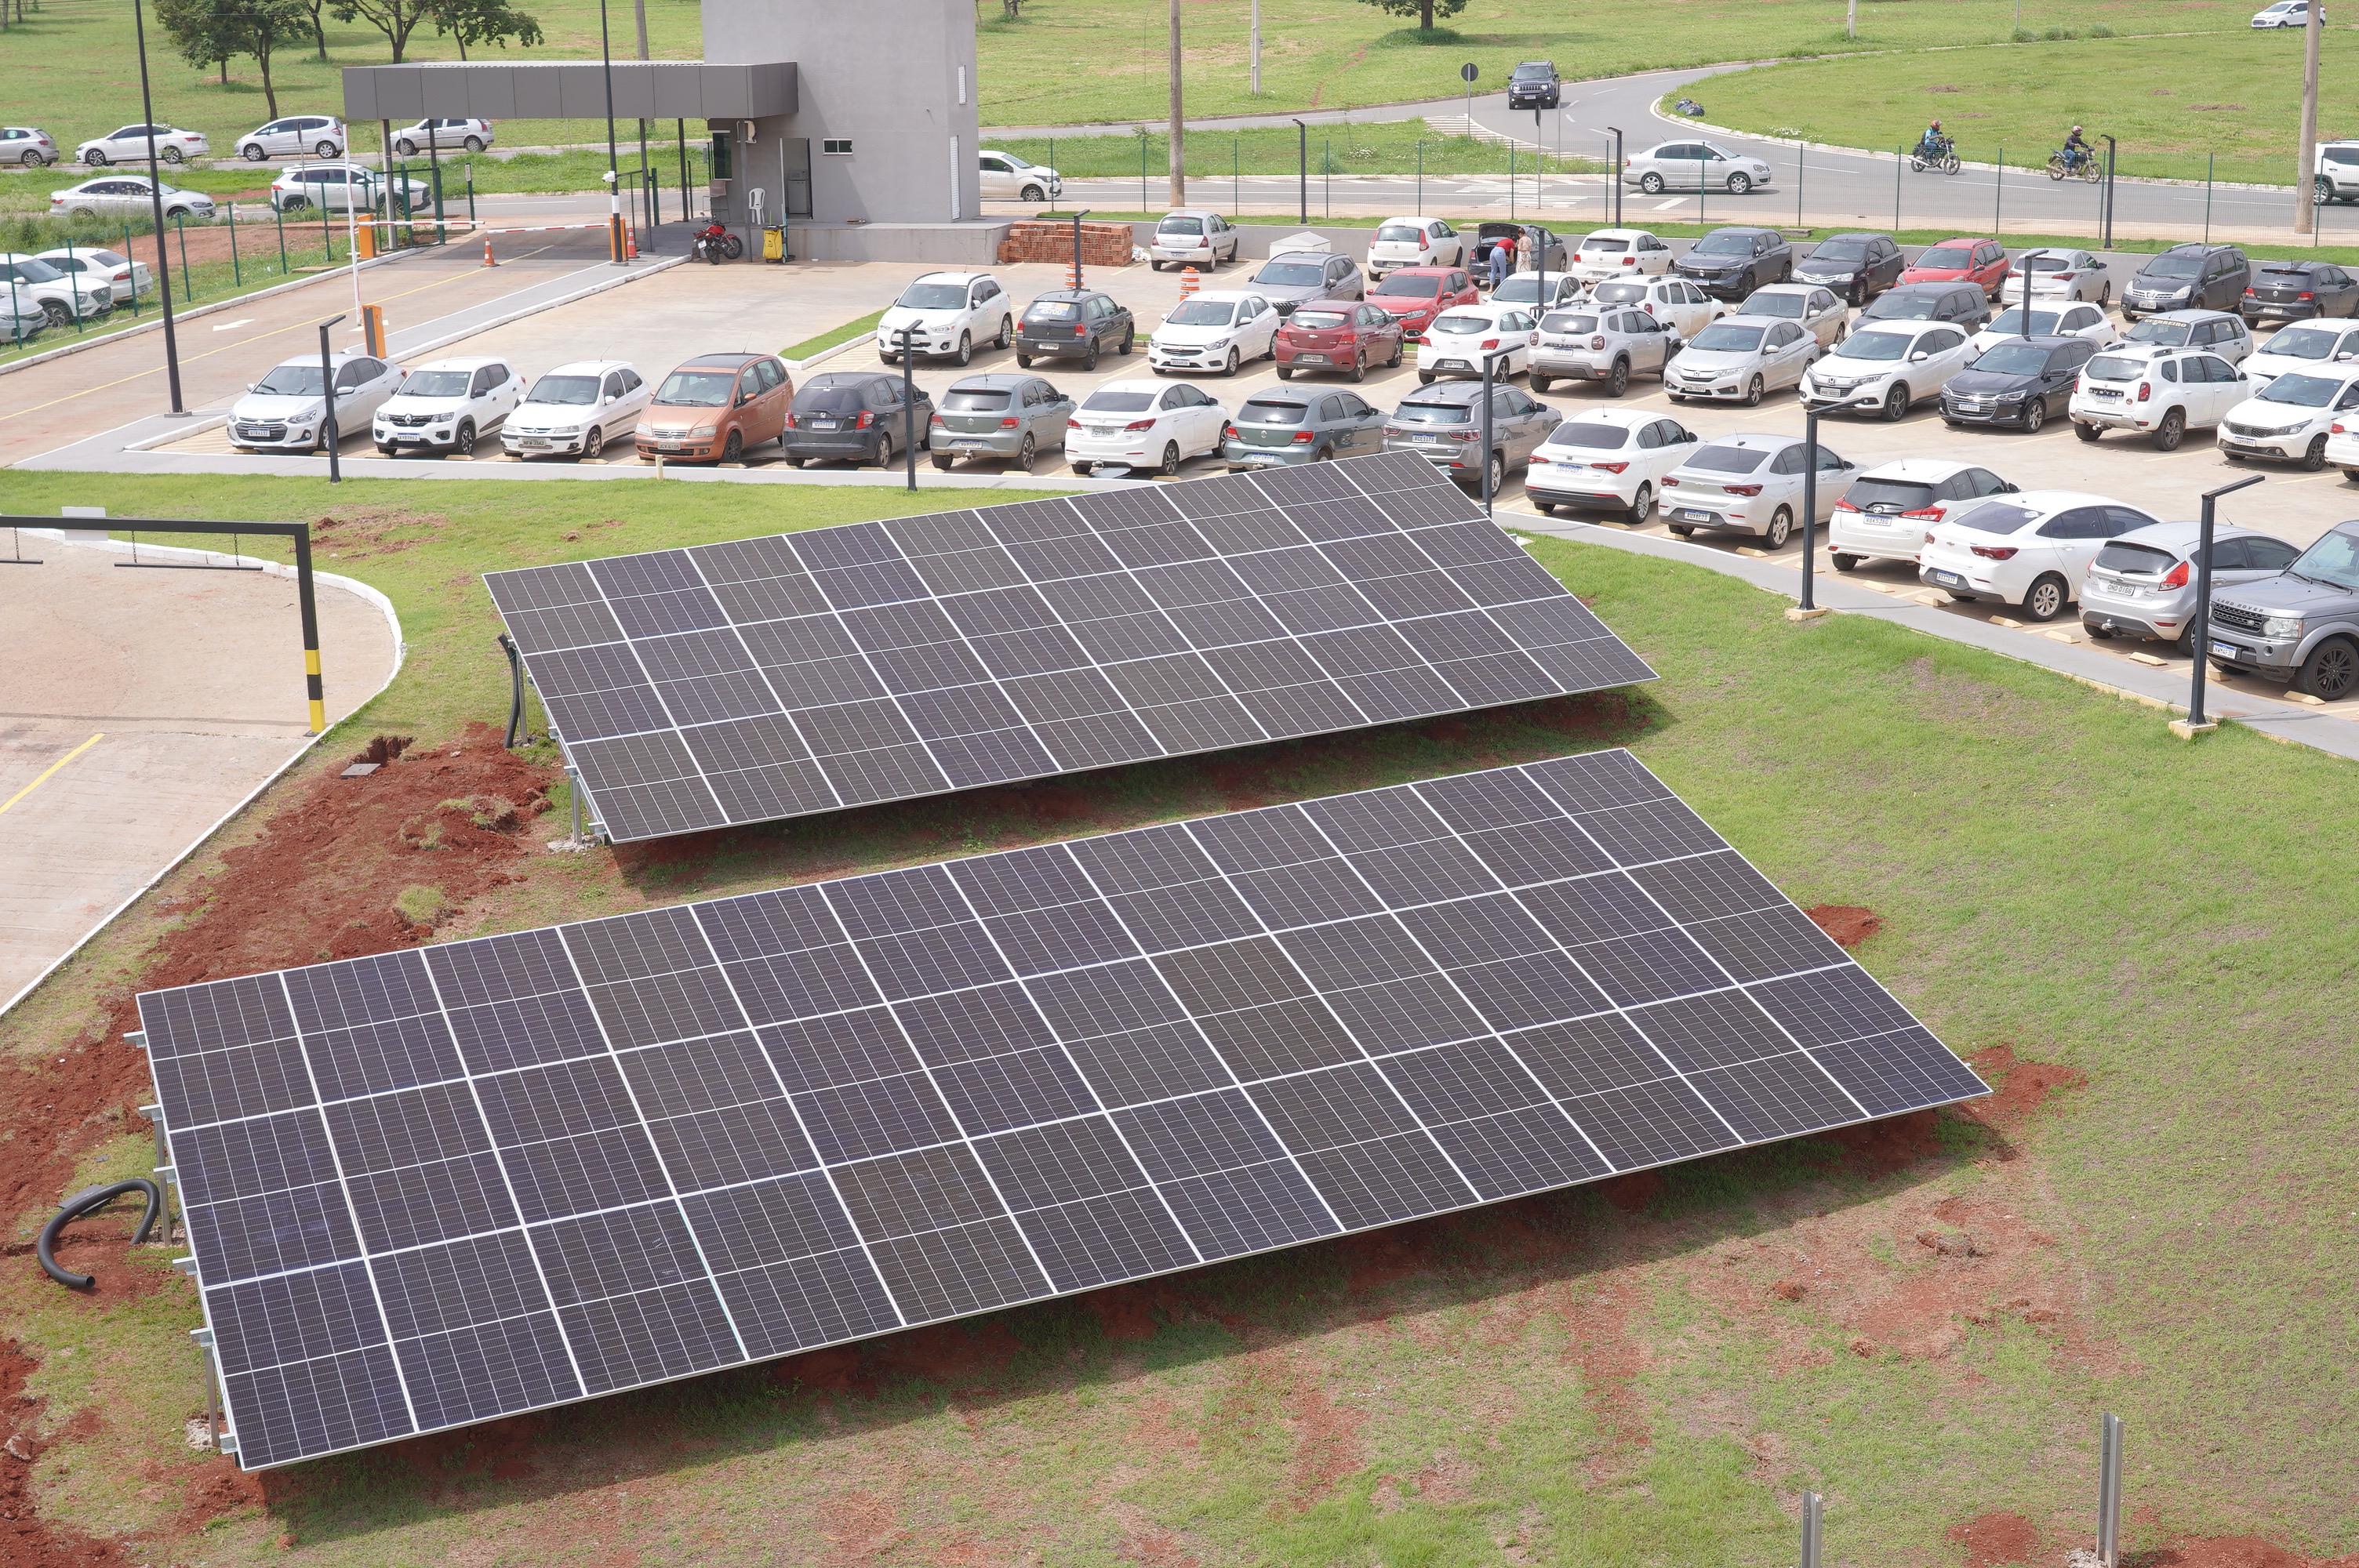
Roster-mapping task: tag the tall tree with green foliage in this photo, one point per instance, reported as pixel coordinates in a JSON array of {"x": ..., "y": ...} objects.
[
  {"x": 1425, "y": 11},
  {"x": 396, "y": 19},
  {"x": 485, "y": 22},
  {"x": 217, "y": 31}
]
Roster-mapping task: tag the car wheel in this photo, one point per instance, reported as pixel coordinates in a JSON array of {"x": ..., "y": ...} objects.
[
  {"x": 1154, "y": 266},
  {"x": 1425, "y": 378},
  {"x": 1896, "y": 404},
  {"x": 2331, "y": 671},
  {"x": 1541, "y": 382},
  {"x": 2315, "y": 458},
  {"x": 1652, "y": 184},
  {"x": 1230, "y": 366},
  {"x": 1858, "y": 296},
  {"x": 33, "y": 161},
  {"x": 383, "y": 450},
  {"x": 2099, "y": 633},
  {"x": 1089, "y": 356},
  {"x": 1026, "y": 451},
  {"x": 941, "y": 461},
  {"x": 966, "y": 349},
  {"x": 1781, "y": 528},
  {"x": 407, "y": 149},
  {"x": 171, "y": 155},
  {"x": 1008, "y": 333},
  {"x": 2035, "y": 414},
  {"x": 1324, "y": 455},
  {"x": 1617, "y": 381},
  {"x": 1683, "y": 530},
  {"x": 734, "y": 451},
  {"x": 593, "y": 443},
  {"x": 2171, "y": 431},
  {"x": 58, "y": 314},
  {"x": 1846, "y": 563},
  {"x": 1286, "y": 373},
  {"x": 885, "y": 449},
  {"x": 1360, "y": 365},
  {"x": 1642, "y": 506},
  {"x": 1740, "y": 185},
  {"x": 888, "y": 358},
  {"x": 94, "y": 158},
  {"x": 294, "y": 204},
  {"x": 473, "y": 143},
  {"x": 2047, "y": 599},
  {"x": 1127, "y": 338},
  {"x": 1081, "y": 469},
  {"x": 1753, "y": 392},
  {"x": 2087, "y": 432},
  {"x": 326, "y": 149},
  {"x": 462, "y": 439},
  {"x": 1031, "y": 193},
  {"x": 253, "y": 152},
  {"x": 1170, "y": 464},
  {"x": 1023, "y": 361},
  {"x": 1394, "y": 363}
]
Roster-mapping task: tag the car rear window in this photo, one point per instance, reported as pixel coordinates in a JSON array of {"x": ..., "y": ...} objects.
[
  {"x": 1996, "y": 517},
  {"x": 1460, "y": 322},
  {"x": 1052, "y": 310},
  {"x": 2118, "y": 556},
  {"x": 982, "y": 400},
  {"x": 1603, "y": 245},
  {"x": 1953, "y": 257},
  {"x": 1727, "y": 459},
  {"x": 1620, "y": 293},
  {"x": 1594, "y": 437},
  {"x": 1180, "y": 226},
  {"x": 2286, "y": 272},
  {"x": 1401, "y": 234},
  {"x": 1890, "y": 497},
  {"x": 2115, "y": 367},
  {"x": 1434, "y": 413},
  {"x": 1424, "y": 288},
  {"x": 1119, "y": 402},
  {"x": 1899, "y": 306},
  {"x": 1569, "y": 321},
  {"x": 2040, "y": 263},
  {"x": 1321, "y": 320},
  {"x": 1269, "y": 411},
  {"x": 1768, "y": 304}
]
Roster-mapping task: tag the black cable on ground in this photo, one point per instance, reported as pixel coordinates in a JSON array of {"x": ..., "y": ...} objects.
[{"x": 89, "y": 1200}]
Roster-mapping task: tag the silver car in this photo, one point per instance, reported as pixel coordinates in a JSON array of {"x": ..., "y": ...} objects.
[
  {"x": 429, "y": 136},
  {"x": 286, "y": 410},
  {"x": 1443, "y": 425},
  {"x": 1741, "y": 359},
  {"x": 2214, "y": 332},
  {"x": 1193, "y": 237},
  {"x": 999, "y": 416},
  {"x": 1609, "y": 343},
  {"x": 27, "y": 147},
  {"x": 1279, "y": 427},
  {"x": 1288, "y": 278},
  {"x": 292, "y": 135},
  {"x": 2143, "y": 583},
  {"x": 1524, "y": 289},
  {"x": 126, "y": 196},
  {"x": 1814, "y": 306},
  {"x": 1690, "y": 166}
]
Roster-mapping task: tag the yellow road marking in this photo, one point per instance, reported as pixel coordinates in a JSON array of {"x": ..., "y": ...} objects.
[{"x": 52, "y": 768}]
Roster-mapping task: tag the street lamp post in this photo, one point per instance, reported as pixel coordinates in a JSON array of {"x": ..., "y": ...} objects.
[
  {"x": 909, "y": 400},
  {"x": 2198, "y": 623},
  {"x": 1302, "y": 167},
  {"x": 1810, "y": 509},
  {"x": 1489, "y": 459},
  {"x": 614, "y": 160},
  {"x": 1614, "y": 176},
  {"x": 156, "y": 206},
  {"x": 2108, "y": 203},
  {"x": 1077, "y": 246},
  {"x": 330, "y": 436}
]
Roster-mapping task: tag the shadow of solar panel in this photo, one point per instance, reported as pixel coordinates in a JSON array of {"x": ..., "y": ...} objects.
[
  {"x": 871, "y": 662},
  {"x": 434, "y": 1188}
]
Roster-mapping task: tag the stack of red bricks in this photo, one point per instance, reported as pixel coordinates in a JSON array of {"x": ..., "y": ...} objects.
[{"x": 1103, "y": 244}]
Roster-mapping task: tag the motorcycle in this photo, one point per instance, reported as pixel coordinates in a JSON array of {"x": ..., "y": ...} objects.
[
  {"x": 716, "y": 245},
  {"x": 2062, "y": 163},
  {"x": 1936, "y": 153}
]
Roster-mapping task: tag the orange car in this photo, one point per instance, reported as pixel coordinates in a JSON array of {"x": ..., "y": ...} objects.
[{"x": 716, "y": 406}]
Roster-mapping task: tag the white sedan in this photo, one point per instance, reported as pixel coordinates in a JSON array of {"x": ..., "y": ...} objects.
[
  {"x": 2314, "y": 346},
  {"x": 2052, "y": 319},
  {"x": 1691, "y": 166},
  {"x": 946, "y": 314},
  {"x": 1751, "y": 484},
  {"x": 444, "y": 407},
  {"x": 124, "y": 279},
  {"x": 1607, "y": 458},
  {"x": 2294, "y": 419},
  {"x": 286, "y": 410},
  {"x": 1462, "y": 336},
  {"x": 129, "y": 145},
  {"x": 2030, "y": 550},
  {"x": 1143, "y": 424},
  {"x": 1217, "y": 329},
  {"x": 1822, "y": 315},
  {"x": 1888, "y": 510},
  {"x": 1620, "y": 252},
  {"x": 1415, "y": 242},
  {"x": 1674, "y": 300},
  {"x": 128, "y": 196},
  {"x": 578, "y": 409},
  {"x": 1741, "y": 359},
  {"x": 1886, "y": 367},
  {"x": 2060, "y": 272}
]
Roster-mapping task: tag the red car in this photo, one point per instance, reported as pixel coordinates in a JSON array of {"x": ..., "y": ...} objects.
[
  {"x": 1348, "y": 335},
  {"x": 1414, "y": 296},
  {"x": 1963, "y": 261}
]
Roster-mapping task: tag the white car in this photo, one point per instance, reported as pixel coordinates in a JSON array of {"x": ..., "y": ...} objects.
[
  {"x": 578, "y": 410},
  {"x": 1009, "y": 178},
  {"x": 1190, "y": 237},
  {"x": 293, "y": 136},
  {"x": 2287, "y": 13},
  {"x": 1822, "y": 315},
  {"x": 128, "y": 196},
  {"x": 1462, "y": 336},
  {"x": 2294, "y": 419},
  {"x": 2223, "y": 333},
  {"x": 1674, "y": 301},
  {"x": 286, "y": 410},
  {"x": 430, "y": 136},
  {"x": 27, "y": 147},
  {"x": 1525, "y": 290},
  {"x": 1143, "y": 424},
  {"x": 341, "y": 186},
  {"x": 1691, "y": 166},
  {"x": 1888, "y": 366},
  {"x": 21, "y": 319},
  {"x": 1217, "y": 329},
  {"x": 129, "y": 145},
  {"x": 2313, "y": 346},
  {"x": 28, "y": 281},
  {"x": 123, "y": 277},
  {"x": 2051, "y": 319},
  {"x": 1609, "y": 343},
  {"x": 1751, "y": 484},
  {"x": 947, "y": 314},
  {"x": 2030, "y": 550},
  {"x": 1885, "y": 515},
  {"x": 1607, "y": 458},
  {"x": 1415, "y": 242},
  {"x": 1620, "y": 252},
  {"x": 1741, "y": 359},
  {"x": 444, "y": 407},
  {"x": 2156, "y": 392},
  {"x": 2057, "y": 272}
]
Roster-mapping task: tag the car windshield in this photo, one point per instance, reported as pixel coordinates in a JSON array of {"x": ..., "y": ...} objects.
[
  {"x": 1569, "y": 321},
  {"x": 1594, "y": 437},
  {"x": 2009, "y": 323},
  {"x": 1724, "y": 245},
  {"x": 1320, "y": 320},
  {"x": 694, "y": 388},
  {"x": 1461, "y": 322},
  {"x": 1603, "y": 246},
  {"x": 1291, "y": 275},
  {"x": 1434, "y": 413},
  {"x": 2014, "y": 359},
  {"x": 1119, "y": 403},
  {"x": 1268, "y": 411},
  {"x": 108, "y": 258},
  {"x": 2044, "y": 261},
  {"x": 1401, "y": 233},
  {"x": 1014, "y": 161},
  {"x": 1727, "y": 459},
  {"x": 1955, "y": 258},
  {"x": 1729, "y": 337},
  {"x": 924, "y": 296},
  {"x": 571, "y": 391},
  {"x": 1620, "y": 293},
  {"x": 1996, "y": 517},
  {"x": 2303, "y": 391},
  {"x": 31, "y": 271},
  {"x": 300, "y": 380},
  {"x": 2169, "y": 334},
  {"x": 1841, "y": 250},
  {"x": 1053, "y": 310},
  {"x": 1202, "y": 313},
  {"x": 437, "y": 384},
  {"x": 974, "y": 401},
  {"x": 1768, "y": 304},
  {"x": 1898, "y": 306},
  {"x": 1888, "y": 497},
  {"x": 1401, "y": 284},
  {"x": 1531, "y": 73},
  {"x": 1180, "y": 226},
  {"x": 2115, "y": 367},
  {"x": 2334, "y": 560},
  {"x": 1877, "y": 346},
  {"x": 2305, "y": 342},
  {"x": 2174, "y": 266}
]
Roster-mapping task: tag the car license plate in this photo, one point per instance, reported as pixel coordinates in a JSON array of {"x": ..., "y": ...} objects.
[
  {"x": 542, "y": 442},
  {"x": 1947, "y": 580},
  {"x": 1428, "y": 440},
  {"x": 1449, "y": 364},
  {"x": 661, "y": 446},
  {"x": 411, "y": 436},
  {"x": 1312, "y": 359},
  {"x": 2228, "y": 651},
  {"x": 1103, "y": 430},
  {"x": 822, "y": 424},
  {"x": 1695, "y": 514},
  {"x": 969, "y": 446}
]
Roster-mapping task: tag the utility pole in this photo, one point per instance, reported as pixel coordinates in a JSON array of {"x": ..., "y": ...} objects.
[
  {"x": 1179, "y": 126},
  {"x": 1851, "y": 21},
  {"x": 2305, "y": 188},
  {"x": 1256, "y": 47}
]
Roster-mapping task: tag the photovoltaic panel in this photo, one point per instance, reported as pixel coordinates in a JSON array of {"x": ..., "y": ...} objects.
[
  {"x": 841, "y": 666},
  {"x": 444, "y": 1185}
]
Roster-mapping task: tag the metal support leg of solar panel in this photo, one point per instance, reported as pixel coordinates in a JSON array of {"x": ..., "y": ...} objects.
[{"x": 441, "y": 1185}]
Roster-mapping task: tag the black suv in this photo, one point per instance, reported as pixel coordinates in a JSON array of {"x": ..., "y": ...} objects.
[
  {"x": 1535, "y": 85},
  {"x": 1069, "y": 323},
  {"x": 1730, "y": 263},
  {"x": 1856, "y": 266},
  {"x": 2188, "y": 277}
]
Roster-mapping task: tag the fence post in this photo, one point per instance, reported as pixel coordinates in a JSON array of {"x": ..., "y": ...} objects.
[
  {"x": 280, "y": 218},
  {"x": 1420, "y": 174},
  {"x": 1813, "y": 1519},
  {"x": 1897, "y": 162},
  {"x": 181, "y": 227},
  {"x": 1236, "y": 175},
  {"x": 1327, "y": 180},
  {"x": 237, "y": 272},
  {"x": 327, "y": 234},
  {"x": 1999, "y": 194},
  {"x": 2109, "y": 1462},
  {"x": 1799, "y": 160}
]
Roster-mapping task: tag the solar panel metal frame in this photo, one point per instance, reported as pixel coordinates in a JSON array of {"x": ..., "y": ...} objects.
[
  {"x": 744, "y": 682},
  {"x": 447, "y": 1185}
]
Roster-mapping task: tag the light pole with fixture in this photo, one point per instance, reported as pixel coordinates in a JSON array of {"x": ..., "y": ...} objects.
[
  {"x": 613, "y": 172},
  {"x": 156, "y": 206}
]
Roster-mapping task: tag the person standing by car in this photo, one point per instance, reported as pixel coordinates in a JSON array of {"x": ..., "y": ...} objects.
[{"x": 1503, "y": 259}]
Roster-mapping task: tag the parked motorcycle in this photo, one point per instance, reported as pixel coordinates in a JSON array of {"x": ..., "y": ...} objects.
[{"x": 716, "y": 245}]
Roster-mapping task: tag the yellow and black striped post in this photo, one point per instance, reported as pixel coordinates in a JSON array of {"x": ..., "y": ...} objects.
[{"x": 311, "y": 687}]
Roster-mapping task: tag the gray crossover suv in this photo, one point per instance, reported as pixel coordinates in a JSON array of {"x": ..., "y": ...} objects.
[
  {"x": 1443, "y": 425},
  {"x": 1285, "y": 427},
  {"x": 2301, "y": 627},
  {"x": 999, "y": 416}
]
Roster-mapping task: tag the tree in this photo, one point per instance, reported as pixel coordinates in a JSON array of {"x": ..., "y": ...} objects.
[
  {"x": 485, "y": 22},
  {"x": 1425, "y": 11},
  {"x": 396, "y": 19},
  {"x": 210, "y": 31}
]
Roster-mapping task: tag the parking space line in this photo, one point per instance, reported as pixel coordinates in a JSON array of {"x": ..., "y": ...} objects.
[{"x": 45, "y": 773}]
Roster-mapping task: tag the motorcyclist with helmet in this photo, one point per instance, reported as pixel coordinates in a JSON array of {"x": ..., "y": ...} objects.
[
  {"x": 2076, "y": 150},
  {"x": 1933, "y": 146}
]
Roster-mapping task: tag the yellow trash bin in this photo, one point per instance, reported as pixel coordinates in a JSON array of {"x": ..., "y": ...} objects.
[{"x": 773, "y": 245}]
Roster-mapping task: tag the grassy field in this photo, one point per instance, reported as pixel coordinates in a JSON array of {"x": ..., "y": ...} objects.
[
  {"x": 2173, "y": 102},
  {"x": 1925, "y": 1332}
]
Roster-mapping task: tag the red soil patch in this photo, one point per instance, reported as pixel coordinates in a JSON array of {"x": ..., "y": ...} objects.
[
  {"x": 961, "y": 1357},
  {"x": 1610, "y": 1357},
  {"x": 1383, "y": 1257},
  {"x": 27, "y": 1541},
  {"x": 1996, "y": 1539},
  {"x": 1327, "y": 1445},
  {"x": 1156, "y": 1547},
  {"x": 99, "y": 1245},
  {"x": 2022, "y": 1087},
  {"x": 1633, "y": 1193},
  {"x": 2233, "y": 1552},
  {"x": 1846, "y": 925},
  {"x": 1893, "y": 1144}
]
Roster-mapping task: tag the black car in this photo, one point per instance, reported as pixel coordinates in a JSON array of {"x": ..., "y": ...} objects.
[
  {"x": 2298, "y": 290},
  {"x": 1964, "y": 304},
  {"x": 1856, "y": 266},
  {"x": 1530, "y": 240},
  {"x": 1729, "y": 263},
  {"x": 1535, "y": 86},
  {"x": 2188, "y": 277},
  {"x": 1074, "y": 323},
  {"x": 2019, "y": 381},
  {"x": 852, "y": 416}
]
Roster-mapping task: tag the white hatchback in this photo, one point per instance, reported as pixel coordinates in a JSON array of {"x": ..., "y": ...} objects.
[
  {"x": 430, "y": 136},
  {"x": 2159, "y": 393},
  {"x": 947, "y": 314},
  {"x": 1463, "y": 335},
  {"x": 1217, "y": 329},
  {"x": 1888, "y": 509},
  {"x": 1888, "y": 366},
  {"x": 2060, "y": 272},
  {"x": 2294, "y": 419},
  {"x": 2053, "y": 319},
  {"x": 2030, "y": 550},
  {"x": 1007, "y": 178},
  {"x": 292, "y": 137},
  {"x": 1143, "y": 424},
  {"x": 1620, "y": 252},
  {"x": 1752, "y": 484},
  {"x": 1607, "y": 458},
  {"x": 128, "y": 144},
  {"x": 578, "y": 410},
  {"x": 1674, "y": 301},
  {"x": 1415, "y": 242},
  {"x": 444, "y": 407}
]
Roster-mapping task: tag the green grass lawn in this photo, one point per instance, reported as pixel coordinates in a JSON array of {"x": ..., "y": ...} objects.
[
  {"x": 1565, "y": 1380},
  {"x": 2173, "y": 102}
]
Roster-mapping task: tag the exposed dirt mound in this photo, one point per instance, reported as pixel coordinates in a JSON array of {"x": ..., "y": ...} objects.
[
  {"x": 2022, "y": 1088},
  {"x": 27, "y": 1541},
  {"x": 1996, "y": 1539},
  {"x": 1846, "y": 925},
  {"x": 2231, "y": 1551}
]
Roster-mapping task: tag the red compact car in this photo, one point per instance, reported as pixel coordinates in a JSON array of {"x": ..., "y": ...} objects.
[
  {"x": 1346, "y": 335},
  {"x": 1414, "y": 296},
  {"x": 1963, "y": 261}
]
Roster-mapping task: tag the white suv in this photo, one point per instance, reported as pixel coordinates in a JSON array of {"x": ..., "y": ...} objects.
[
  {"x": 2160, "y": 393},
  {"x": 444, "y": 407},
  {"x": 339, "y": 187},
  {"x": 429, "y": 136},
  {"x": 31, "y": 281},
  {"x": 292, "y": 138},
  {"x": 1886, "y": 366},
  {"x": 946, "y": 312}
]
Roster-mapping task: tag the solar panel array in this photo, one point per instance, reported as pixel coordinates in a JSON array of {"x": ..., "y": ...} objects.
[
  {"x": 841, "y": 666},
  {"x": 441, "y": 1185}
]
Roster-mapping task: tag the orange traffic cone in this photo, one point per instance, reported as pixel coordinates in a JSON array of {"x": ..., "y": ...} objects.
[
  {"x": 1073, "y": 275},
  {"x": 1191, "y": 280},
  {"x": 487, "y": 252},
  {"x": 630, "y": 242}
]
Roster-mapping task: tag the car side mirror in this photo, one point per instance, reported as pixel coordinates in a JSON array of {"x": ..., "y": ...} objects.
[{"x": 1921, "y": 354}]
